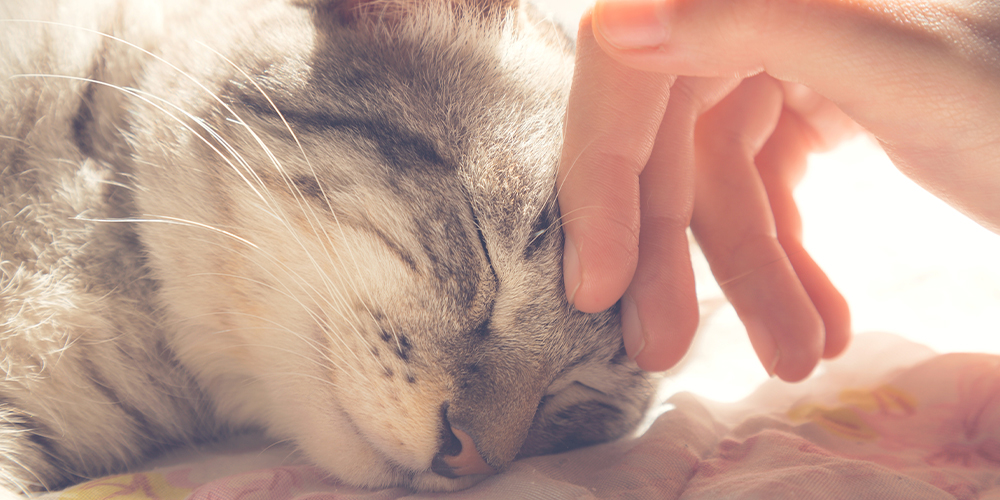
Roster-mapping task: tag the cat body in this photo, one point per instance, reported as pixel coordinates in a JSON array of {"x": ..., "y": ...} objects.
[{"x": 332, "y": 221}]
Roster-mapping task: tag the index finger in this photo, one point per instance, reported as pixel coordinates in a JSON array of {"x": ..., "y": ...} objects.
[{"x": 612, "y": 118}]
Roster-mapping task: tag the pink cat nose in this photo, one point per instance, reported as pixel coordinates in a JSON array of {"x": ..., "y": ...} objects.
[{"x": 466, "y": 463}]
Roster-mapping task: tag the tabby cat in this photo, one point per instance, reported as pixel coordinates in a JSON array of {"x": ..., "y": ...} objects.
[{"x": 331, "y": 221}]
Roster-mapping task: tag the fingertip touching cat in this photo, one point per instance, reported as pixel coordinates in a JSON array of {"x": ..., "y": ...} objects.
[{"x": 333, "y": 221}]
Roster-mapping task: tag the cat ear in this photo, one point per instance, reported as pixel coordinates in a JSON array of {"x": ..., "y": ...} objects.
[{"x": 353, "y": 10}]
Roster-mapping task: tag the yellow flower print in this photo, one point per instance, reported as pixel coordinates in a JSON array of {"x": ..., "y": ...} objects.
[
  {"x": 885, "y": 400},
  {"x": 142, "y": 486},
  {"x": 844, "y": 420}
]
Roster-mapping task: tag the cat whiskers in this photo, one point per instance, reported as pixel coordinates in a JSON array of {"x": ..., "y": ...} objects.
[
  {"x": 571, "y": 166},
  {"x": 563, "y": 218},
  {"x": 243, "y": 169},
  {"x": 12, "y": 138},
  {"x": 165, "y": 219},
  {"x": 8, "y": 479},
  {"x": 287, "y": 292},
  {"x": 317, "y": 362},
  {"x": 140, "y": 95},
  {"x": 143, "y": 95},
  {"x": 566, "y": 177},
  {"x": 148, "y": 98},
  {"x": 173, "y": 220},
  {"x": 279, "y": 443},
  {"x": 300, "y": 197},
  {"x": 324, "y": 324}
]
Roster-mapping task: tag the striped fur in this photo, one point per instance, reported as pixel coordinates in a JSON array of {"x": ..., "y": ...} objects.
[{"x": 331, "y": 221}]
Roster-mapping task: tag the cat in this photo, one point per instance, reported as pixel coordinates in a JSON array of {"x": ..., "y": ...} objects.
[{"x": 331, "y": 221}]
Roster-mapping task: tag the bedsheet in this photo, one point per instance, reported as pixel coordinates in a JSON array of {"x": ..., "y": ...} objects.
[{"x": 890, "y": 419}]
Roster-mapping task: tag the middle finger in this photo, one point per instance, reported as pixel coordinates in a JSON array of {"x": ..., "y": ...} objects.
[{"x": 734, "y": 225}]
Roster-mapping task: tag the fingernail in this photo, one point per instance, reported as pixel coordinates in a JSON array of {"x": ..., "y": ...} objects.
[
  {"x": 571, "y": 269},
  {"x": 633, "y": 24},
  {"x": 632, "y": 335}
]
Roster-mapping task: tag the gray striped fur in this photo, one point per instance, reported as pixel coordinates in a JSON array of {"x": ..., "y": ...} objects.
[{"x": 332, "y": 221}]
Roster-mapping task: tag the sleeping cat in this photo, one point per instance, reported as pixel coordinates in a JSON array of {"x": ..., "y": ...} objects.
[{"x": 333, "y": 221}]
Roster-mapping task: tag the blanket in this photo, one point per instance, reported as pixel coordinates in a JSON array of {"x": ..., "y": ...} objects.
[{"x": 890, "y": 419}]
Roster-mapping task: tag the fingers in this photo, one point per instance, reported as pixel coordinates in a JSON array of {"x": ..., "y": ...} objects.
[
  {"x": 660, "y": 309},
  {"x": 920, "y": 75},
  {"x": 823, "y": 124},
  {"x": 890, "y": 65},
  {"x": 793, "y": 40},
  {"x": 780, "y": 164},
  {"x": 612, "y": 119},
  {"x": 736, "y": 229}
]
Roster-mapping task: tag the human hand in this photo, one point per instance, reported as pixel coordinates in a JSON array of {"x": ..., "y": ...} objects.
[
  {"x": 747, "y": 225},
  {"x": 925, "y": 90}
]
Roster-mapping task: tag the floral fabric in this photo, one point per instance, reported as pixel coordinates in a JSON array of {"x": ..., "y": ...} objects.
[{"x": 889, "y": 420}]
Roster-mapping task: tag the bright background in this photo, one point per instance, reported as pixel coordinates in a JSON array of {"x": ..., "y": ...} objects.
[{"x": 906, "y": 262}]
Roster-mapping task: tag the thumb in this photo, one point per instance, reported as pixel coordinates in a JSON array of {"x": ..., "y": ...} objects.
[
  {"x": 852, "y": 53},
  {"x": 920, "y": 75},
  {"x": 786, "y": 38}
]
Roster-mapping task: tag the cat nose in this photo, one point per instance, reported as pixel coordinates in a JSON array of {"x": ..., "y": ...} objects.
[{"x": 459, "y": 457}]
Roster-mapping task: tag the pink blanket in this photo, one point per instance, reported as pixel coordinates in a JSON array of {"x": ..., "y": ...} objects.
[{"x": 888, "y": 420}]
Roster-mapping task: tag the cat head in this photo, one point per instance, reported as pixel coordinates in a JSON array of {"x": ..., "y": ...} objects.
[{"x": 351, "y": 209}]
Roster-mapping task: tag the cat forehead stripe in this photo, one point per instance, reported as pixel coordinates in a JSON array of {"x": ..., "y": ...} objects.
[{"x": 394, "y": 143}]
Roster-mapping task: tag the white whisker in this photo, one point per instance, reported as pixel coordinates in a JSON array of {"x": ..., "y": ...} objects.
[
  {"x": 163, "y": 219},
  {"x": 314, "y": 221}
]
